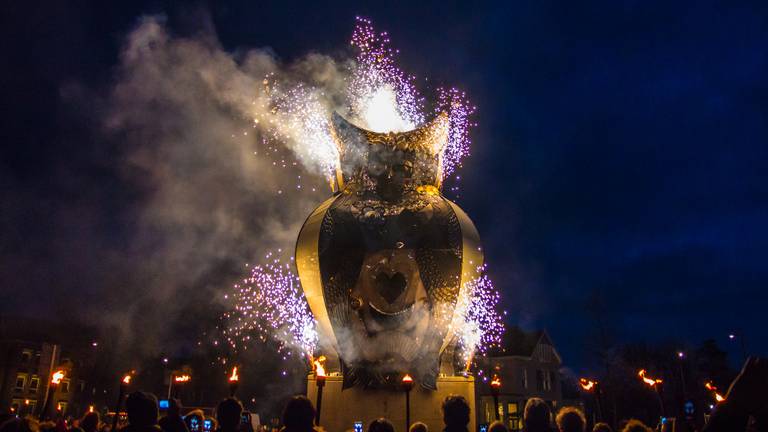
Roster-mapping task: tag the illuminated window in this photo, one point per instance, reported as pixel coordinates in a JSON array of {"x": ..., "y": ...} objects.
[
  {"x": 514, "y": 419},
  {"x": 26, "y": 356},
  {"x": 33, "y": 383},
  {"x": 21, "y": 380}
]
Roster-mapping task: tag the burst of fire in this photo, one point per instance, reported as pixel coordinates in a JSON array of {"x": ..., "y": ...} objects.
[
  {"x": 587, "y": 384},
  {"x": 650, "y": 381},
  {"x": 127, "y": 379},
  {"x": 57, "y": 376},
  {"x": 319, "y": 368},
  {"x": 709, "y": 386},
  {"x": 182, "y": 378},
  {"x": 496, "y": 381},
  {"x": 234, "y": 377}
]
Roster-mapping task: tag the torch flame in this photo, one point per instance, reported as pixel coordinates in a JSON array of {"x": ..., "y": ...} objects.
[
  {"x": 182, "y": 378},
  {"x": 234, "y": 377},
  {"x": 648, "y": 380},
  {"x": 319, "y": 369},
  {"x": 127, "y": 379},
  {"x": 587, "y": 384},
  {"x": 496, "y": 381},
  {"x": 713, "y": 389},
  {"x": 407, "y": 378},
  {"x": 90, "y": 408},
  {"x": 57, "y": 376}
]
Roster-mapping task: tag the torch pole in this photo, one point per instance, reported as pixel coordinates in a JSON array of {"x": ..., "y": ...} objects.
[
  {"x": 406, "y": 384},
  {"x": 495, "y": 388},
  {"x": 120, "y": 395},
  {"x": 407, "y": 409},
  {"x": 661, "y": 400},
  {"x": 320, "y": 381},
  {"x": 48, "y": 399},
  {"x": 598, "y": 406}
]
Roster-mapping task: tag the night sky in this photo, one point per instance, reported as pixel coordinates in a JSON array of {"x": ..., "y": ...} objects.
[{"x": 618, "y": 168}]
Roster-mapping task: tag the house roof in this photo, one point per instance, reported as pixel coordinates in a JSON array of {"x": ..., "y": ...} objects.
[{"x": 518, "y": 342}]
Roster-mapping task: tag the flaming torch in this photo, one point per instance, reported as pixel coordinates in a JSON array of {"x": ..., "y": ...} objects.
[
  {"x": 495, "y": 388},
  {"x": 55, "y": 380},
  {"x": 320, "y": 381},
  {"x": 407, "y": 385},
  {"x": 123, "y": 388},
  {"x": 178, "y": 381},
  {"x": 591, "y": 386},
  {"x": 655, "y": 384},
  {"x": 234, "y": 381},
  {"x": 718, "y": 397}
]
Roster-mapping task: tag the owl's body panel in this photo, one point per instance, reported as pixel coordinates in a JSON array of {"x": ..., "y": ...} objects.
[{"x": 384, "y": 263}]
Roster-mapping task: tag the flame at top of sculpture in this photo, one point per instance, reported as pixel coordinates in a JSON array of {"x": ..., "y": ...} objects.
[{"x": 384, "y": 262}]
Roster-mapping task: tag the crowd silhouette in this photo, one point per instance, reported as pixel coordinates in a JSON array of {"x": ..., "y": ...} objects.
[{"x": 745, "y": 409}]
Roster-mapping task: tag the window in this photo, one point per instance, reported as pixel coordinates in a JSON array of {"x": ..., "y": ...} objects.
[
  {"x": 547, "y": 380},
  {"x": 515, "y": 420},
  {"x": 21, "y": 380},
  {"x": 525, "y": 378},
  {"x": 34, "y": 382},
  {"x": 62, "y": 406},
  {"x": 26, "y": 356},
  {"x": 64, "y": 386}
]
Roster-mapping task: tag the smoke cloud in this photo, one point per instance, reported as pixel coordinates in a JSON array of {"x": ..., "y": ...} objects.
[{"x": 223, "y": 177}]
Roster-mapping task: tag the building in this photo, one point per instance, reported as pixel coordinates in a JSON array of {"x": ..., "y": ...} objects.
[
  {"x": 26, "y": 369},
  {"x": 528, "y": 365},
  {"x": 30, "y": 353}
]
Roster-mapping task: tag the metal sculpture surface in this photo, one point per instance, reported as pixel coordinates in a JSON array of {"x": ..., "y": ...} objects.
[{"x": 385, "y": 260}]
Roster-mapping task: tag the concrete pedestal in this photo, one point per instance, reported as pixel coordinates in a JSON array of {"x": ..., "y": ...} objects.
[{"x": 341, "y": 409}]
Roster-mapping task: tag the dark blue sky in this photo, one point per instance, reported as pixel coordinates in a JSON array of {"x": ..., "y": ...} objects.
[{"x": 621, "y": 152}]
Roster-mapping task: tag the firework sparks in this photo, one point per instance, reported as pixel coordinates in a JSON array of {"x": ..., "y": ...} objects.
[
  {"x": 269, "y": 304},
  {"x": 477, "y": 322},
  {"x": 378, "y": 96}
]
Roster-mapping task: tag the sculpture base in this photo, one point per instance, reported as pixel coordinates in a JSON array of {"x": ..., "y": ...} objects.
[{"x": 341, "y": 409}]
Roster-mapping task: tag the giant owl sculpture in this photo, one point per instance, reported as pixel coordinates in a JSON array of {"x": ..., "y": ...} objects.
[{"x": 385, "y": 260}]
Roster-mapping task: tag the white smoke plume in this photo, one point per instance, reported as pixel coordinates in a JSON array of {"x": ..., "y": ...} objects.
[{"x": 224, "y": 176}]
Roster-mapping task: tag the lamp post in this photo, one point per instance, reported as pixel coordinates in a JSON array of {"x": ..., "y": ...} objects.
[
  {"x": 234, "y": 381},
  {"x": 495, "y": 388},
  {"x": 123, "y": 388},
  {"x": 407, "y": 385}
]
